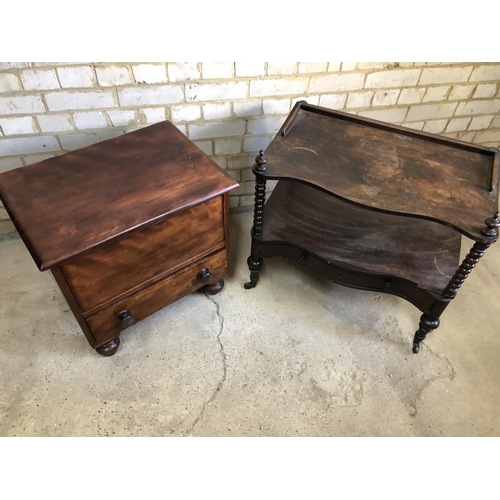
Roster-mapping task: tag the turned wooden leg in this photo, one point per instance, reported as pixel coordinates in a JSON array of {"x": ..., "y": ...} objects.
[
  {"x": 255, "y": 265},
  {"x": 425, "y": 327},
  {"x": 109, "y": 348},
  {"x": 214, "y": 288}
]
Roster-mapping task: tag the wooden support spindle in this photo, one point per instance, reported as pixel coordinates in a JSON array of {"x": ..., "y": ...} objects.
[
  {"x": 429, "y": 322},
  {"x": 254, "y": 262},
  {"x": 260, "y": 194},
  {"x": 472, "y": 258}
]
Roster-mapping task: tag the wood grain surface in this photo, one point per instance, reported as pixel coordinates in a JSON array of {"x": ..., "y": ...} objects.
[
  {"x": 68, "y": 204},
  {"x": 388, "y": 168},
  {"x": 159, "y": 249},
  {"x": 106, "y": 325},
  {"x": 363, "y": 240}
]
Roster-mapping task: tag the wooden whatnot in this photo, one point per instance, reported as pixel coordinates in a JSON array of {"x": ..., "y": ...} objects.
[
  {"x": 375, "y": 206},
  {"x": 126, "y": 226}
]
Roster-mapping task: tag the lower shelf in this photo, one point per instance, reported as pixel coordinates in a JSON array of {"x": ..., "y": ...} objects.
[{"x": 363, "y": 240}]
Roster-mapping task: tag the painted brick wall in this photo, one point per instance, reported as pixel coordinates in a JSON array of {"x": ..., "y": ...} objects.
[{"x": 231, "y": 110}]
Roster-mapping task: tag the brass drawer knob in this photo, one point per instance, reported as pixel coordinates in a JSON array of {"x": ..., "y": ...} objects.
[
  {"x": 125, "y": 318},
  {"x": 204, "y": 276}
]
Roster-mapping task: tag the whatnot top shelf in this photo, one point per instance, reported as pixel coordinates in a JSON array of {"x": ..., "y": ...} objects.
[
  {"x": 389, "y": 168},
  {"x": 367, "y": 241}
]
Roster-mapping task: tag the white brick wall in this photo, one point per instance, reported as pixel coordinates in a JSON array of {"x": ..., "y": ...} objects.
[
  {"x": 185, "y": 112},
  {"x": 90, "y": 120},
  {"x": 61, "y": 101},
  {"x": 333, "y": 101},
  {"x": 233, "y": 109},
  {"x": 276, "y": 106},
  {"x": 385, "y": 97},
  {"x": 39, "y": 79},
  {"x": 54, "y": 123},
  {"x": 152, "y": 115},
  {"x": 228, "y": 146},
  {"x": 216, "y": 129},
  {"x": 213, "y": 70},
  {"x": 247, "y": 108},
  {"x": 330, "y": 83},
  {"x": 312, "y": 67},
  {"x": 77, "y": 76},
  {"x": 278, "y": 86},
  {"x": 9, "y": 163},
  {"x": 459, "y": 92},
  {"x": 122, "y": 117},
  {"x": 411, "y": 96},
  {"x": 162, "y": 94},
  {"x": 216, "y": 91},
  {"x": 183, "y": 71},
  {"x": 250, "y": 69},
  {"x": 280, "y": 68},
  {"x": 113, "y": 75},
  {"x": 436, "y": 94},
  {"x": 18, "y": 126},
  {"x": 486, "y": 73},
  {"x": 445, "y": 75},
  {"x": 9, "y": 83},
  {"x": 26, "y": 145},
  {"x": 388, "y": 79},
  {"x": 150, "y": 73},
  {"x": 458, "y": 125},
  {"x": 216, "y": 111},
  {"x": 359, "y": 100},
  {"x": 261, "y": 126},
  {"x": 431, "y": 111},
  {"x": 21, "y": 104}
]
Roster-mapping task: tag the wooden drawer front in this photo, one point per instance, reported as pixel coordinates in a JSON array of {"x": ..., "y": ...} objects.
[
  {"x": 158, "y": 250},
  {"x": 106, "y": 324}
]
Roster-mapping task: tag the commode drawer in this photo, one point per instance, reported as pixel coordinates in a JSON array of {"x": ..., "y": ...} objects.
[
  {"x": 158, "y": 250},
  {"x": 110, "y": 321}
]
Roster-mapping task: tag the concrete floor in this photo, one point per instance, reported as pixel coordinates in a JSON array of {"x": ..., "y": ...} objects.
[{"x": 296, "y": 356}]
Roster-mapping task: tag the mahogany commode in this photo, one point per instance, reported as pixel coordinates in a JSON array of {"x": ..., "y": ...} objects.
[
  {"x": 375, "y": 206},
  {"x": 126, "y": 226}
]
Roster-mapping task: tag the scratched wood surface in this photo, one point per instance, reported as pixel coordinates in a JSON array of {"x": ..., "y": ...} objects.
[
  {"x": 363, "y": 240},
  {"x": 389, "y": 169},
  {"x": 68, "y": 204}
]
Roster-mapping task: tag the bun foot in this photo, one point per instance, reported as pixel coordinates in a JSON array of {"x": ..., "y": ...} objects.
[
  {"x": 249, "y": 285},
  {"x": 109, "y": 348},
  {"x": 215, "y": 288},
  {"x": 416, "y": 347}
]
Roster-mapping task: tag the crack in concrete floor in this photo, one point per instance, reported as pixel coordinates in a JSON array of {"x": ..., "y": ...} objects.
[{"x": 190, "y": 431}]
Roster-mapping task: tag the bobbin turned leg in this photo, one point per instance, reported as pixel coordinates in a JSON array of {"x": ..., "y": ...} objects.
[
  {"x": 429, "y": 322},
  {"x": 254, "y": 262}
]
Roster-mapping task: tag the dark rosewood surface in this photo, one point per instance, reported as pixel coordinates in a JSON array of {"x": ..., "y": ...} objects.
[
  {"x": 87, "y": 197},
  {"x": 362, "y": 240},
  {"x": 389, "y": 168}
]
